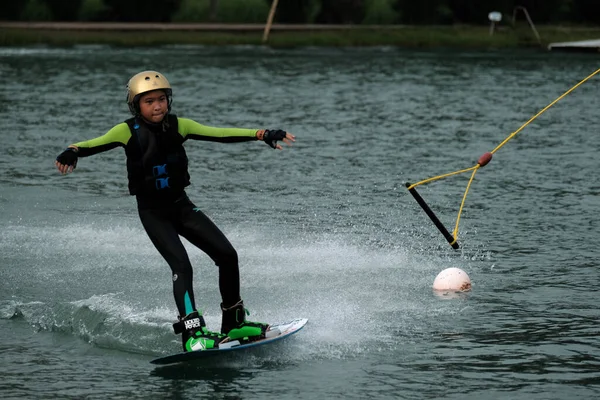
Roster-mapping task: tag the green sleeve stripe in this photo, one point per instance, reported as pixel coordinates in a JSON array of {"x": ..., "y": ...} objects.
[
  {"x": 118, "y": 136},
  {"x": 190, "y": 129}
]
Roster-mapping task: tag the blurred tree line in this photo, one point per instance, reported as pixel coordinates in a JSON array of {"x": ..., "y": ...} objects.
[{"x": 302, "y": 11}]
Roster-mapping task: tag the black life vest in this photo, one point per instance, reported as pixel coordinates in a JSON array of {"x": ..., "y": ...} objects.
[{"x": 157, "y": 164}]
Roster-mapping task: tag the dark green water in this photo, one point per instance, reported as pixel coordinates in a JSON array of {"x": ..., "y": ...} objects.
[{"x": 324, "y": 230}]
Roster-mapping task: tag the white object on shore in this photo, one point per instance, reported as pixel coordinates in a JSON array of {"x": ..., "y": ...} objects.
[
  {"x": 494, "y": 17},
  {"x": 452, "y": 279},
  {"x": 581, "y": 45}
]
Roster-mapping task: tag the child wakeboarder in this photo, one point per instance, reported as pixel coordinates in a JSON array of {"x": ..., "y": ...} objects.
[{"x": 157, "y": 169}]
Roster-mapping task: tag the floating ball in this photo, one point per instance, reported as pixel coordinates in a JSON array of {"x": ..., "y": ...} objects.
[{"x": 453, "y": 279}]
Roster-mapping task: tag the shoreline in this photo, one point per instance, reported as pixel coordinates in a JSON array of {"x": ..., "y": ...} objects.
[
  {"x": 172, "y": 26},
  {"x": 288, "y": 35}
]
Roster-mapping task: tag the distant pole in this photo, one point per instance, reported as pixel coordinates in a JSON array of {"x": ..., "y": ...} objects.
[
  {"x": 537, "y": 35},
  {"x": 270, "y": 21}
]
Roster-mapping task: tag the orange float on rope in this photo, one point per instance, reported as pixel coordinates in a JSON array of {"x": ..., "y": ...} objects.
[{"x": 485, "y": 159}]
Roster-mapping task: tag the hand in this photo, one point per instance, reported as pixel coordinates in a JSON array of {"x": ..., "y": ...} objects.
[
  {"x": 66, "y": 161},
  {"x": 271, "y": 136}
]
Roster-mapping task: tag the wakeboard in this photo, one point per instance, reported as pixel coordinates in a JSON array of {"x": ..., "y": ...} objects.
[{"x": 274, "y": 333}]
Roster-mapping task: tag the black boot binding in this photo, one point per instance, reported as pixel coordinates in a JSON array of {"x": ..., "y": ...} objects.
[
  {"x": 236, "y": 327},
  {"x": 194, "y": 335}
]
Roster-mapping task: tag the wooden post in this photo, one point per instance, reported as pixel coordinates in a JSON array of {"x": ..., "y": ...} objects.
[
  {"x": 269, "y": 21},
  {"x": 537, "y": 35}
]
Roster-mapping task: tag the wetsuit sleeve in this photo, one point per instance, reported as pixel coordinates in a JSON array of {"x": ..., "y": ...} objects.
[
  {"x": 190, "y": 129},
  {"x": 119, "y": 135}
]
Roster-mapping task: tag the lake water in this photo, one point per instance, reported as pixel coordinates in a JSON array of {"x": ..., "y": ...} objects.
[{"x": 324, "y": 230}]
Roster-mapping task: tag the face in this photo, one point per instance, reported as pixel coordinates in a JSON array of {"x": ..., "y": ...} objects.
[{"x": 154, "y": 106}]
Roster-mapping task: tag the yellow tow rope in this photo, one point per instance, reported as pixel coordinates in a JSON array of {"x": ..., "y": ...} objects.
[{"x": 481, "y": 162}]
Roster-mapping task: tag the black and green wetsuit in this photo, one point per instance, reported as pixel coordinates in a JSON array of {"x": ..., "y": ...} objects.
[{"x": 157, "y": 171}]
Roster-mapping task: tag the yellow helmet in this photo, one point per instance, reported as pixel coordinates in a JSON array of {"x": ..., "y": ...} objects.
[{"x": 143, "y": 82}]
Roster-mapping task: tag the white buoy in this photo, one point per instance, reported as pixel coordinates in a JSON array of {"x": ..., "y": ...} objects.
[{"x": 452, "y": 279}]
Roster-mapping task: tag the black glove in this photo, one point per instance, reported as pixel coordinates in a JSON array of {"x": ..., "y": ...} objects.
[
  {"x": 68, "y": 157},
  {"x": 272, "y": 136}
]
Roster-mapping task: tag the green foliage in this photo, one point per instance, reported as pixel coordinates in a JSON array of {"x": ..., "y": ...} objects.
[
  {"x": 380, "y": 12},
  {"x": 242, "y": 11},
  {"x": 192, "y": 11},
  {"x": 341, "y": 11},
  {"x": 228, "y": 11},
  {"x": 564, "y": 10},
  {"x": 142, "y": 10},
  {"x": 469, "y": 11},
  {"x": 92, "y": 10},
  {"x": 64, "y": 10},
  {"x": 414, "y": 12},
  {"x": 444, "y": 14},
  {"x": 296, "y": 11},
  {"x": 11, "y": 10},
  {"x": 36, "y": 10}
]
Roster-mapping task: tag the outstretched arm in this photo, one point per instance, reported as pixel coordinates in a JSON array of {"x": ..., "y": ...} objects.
[
  {"x": 190, "y": 129},
  {"x": 117, "y": 136}
]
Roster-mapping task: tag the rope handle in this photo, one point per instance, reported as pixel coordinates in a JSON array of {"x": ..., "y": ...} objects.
[{"x": 483, "y": 160}]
